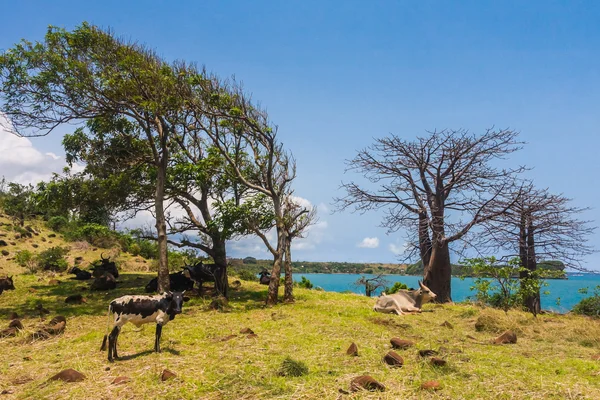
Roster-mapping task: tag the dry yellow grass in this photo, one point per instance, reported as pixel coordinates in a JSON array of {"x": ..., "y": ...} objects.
[{"x": 552, "y": 358}]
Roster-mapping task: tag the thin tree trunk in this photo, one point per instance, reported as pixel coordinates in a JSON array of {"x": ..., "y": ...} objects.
[
  {"x": 438, "y": 273},
  {"x": 161, "y": 225},
  {"x": 220, "y": 258},
  {"x": 288, "y": 295},
  {"x": 276, "y": 271}
]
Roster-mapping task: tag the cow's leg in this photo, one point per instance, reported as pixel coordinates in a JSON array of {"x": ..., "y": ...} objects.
[
  {"x": 115, "y": 355},
  {"x": 112, "y": 338},
  {"x": 157, "y": 338}
]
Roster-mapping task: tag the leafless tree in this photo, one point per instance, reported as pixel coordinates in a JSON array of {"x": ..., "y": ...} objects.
[
  {"x": 297, "y": 220},
  {"x": 538, "y": 226},
  {"x": 372, "y": 284},
  {"x": 442, "y": 184}
]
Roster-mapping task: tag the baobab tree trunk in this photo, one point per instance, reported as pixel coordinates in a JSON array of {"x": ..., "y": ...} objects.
[
  {"x": 438, "y": 273},
  {"x": 424, "y": 239},
  {"x": 531, "y": 300},
  {"x": 288, "y": 295}
]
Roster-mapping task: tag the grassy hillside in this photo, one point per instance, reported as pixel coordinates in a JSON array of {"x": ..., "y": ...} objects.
[{"x": 552, "y": 359}]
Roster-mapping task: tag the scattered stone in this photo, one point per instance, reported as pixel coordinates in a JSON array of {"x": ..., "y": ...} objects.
[
  {"x": 78, "y": 259},
  {"x": 366, "y": 382},
  {"x": 398, "y": 343},
  {"x": 218, "y": 304},
  {"x": 57, "y": 320},
  {"x": 166, "y": 375},
  {"x": 120, "y": 380},
  {"x": 3, "y": 243},
  {"x": 68, "y": 375},
  {"x": 107, "y": 368},
  {"x": 236, "y": 284},
  {"x": 252, "y": 336},
  {"x": 21, "y": 380},
  {"x": 506, "y": 338},
  {"x": 7, "y": 391},
  {"x": 13, "y": 315},
  {"x": 8, "y": 332},
  {"x": 431, "y": 385},
  {"x": 27, "y": 358},
  {"x": 352, "y": 350},
  {"x": 40, "y": 308},
  {"x": 13, "y": 243},
  {"x": 471, "y": 337},
  {"x": 393, "y": 359},
  {"x": 447, "y": 325},
  {"x": 246, "y": 331},
  {"x": 53, "y": 282},
  {"x": 226, "y": 338},
  {"x": 35, "y": 245},
  {"x": 75, "y": 299},
  {"x": 43, "y": 239},
  {"x": 17, "y": 236},
  {"x": 16, "y": 323},
  {"x": 437, "y": 362},
  {"x": 596, "y": 357},
  {"x": 5, "y": 252},
  {"x": 427, "y": 353},
  {"x": 55, "y": 329},
  {"x": 51, "y": 235}
]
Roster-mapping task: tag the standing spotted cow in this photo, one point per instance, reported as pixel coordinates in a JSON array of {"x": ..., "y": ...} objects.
[{"x": 141, "y": 310}]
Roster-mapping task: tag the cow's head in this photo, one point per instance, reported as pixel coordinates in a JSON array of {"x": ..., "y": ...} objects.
[
  {"x": 426, "y": 294},
  {"x": 7, "y": 283},
  {"x": 175, "y": 300}
]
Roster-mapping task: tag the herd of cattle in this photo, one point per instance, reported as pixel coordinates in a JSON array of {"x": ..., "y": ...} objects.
[{"x": 162, "y": 308}]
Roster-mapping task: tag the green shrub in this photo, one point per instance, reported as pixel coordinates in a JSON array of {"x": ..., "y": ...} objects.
[
  {"x": 53, "y": 259},
  {"x": 589, "y": 306},
  {"x": 95, "y": 234},
  {"x": 57, "y": 223},
  {"x": 290, "y": 367},
  {"x": 395, "y": 288},
  {"x": 305, "y": 283},
  {"x": 134, "y": 249},
  {"x": 247, "y": 275},
  {"x": 26, "y": 259}
]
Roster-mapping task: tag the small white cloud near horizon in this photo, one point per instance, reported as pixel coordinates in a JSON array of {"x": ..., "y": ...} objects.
[
  {"x": 369, "y": 243},
  {"x": 398, "y": 249}
]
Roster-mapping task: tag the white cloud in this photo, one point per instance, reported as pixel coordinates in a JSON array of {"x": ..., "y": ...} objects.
[
  {"x": 398, "y": 249},
  {"x": 369, "y": 243},
  {"x": 21, "y": 162}
]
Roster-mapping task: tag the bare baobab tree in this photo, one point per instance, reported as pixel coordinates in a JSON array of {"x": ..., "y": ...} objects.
[
  {"x": 539, "y": 226},
  {"x": 444, "y": 184}
]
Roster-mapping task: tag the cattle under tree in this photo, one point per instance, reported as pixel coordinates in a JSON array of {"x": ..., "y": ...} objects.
[
  {"x": 201, "y": 273},
  {"x": 80, "y": 274},
  {"x": 6, "y": 284},
  {"x": 178, "y": 282},
  {"x": 105, "y": 282},
  {"x": 264, "y": 277},
  {"x": 105, "y": 266},
  {"x": 140, "y": 310}
]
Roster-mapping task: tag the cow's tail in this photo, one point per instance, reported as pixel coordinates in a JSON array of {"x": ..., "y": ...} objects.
[{"x": 103, "y": 347}]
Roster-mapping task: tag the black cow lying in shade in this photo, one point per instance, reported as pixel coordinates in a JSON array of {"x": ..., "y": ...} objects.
[
  {"x": 265, "y": 277},
  {"x": 141, "y": 310},
  {"x": 201, "y": 273},
  {"x": 105, "y": 266},
  {"x": 80, "y": 274},
  {"x": 6, "y": 284},
  {"x": 104, "y": 282},
  {"x": 178, "y": 282}
]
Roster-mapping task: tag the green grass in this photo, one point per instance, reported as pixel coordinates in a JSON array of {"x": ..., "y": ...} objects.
[{"x": 552, "y": 358}]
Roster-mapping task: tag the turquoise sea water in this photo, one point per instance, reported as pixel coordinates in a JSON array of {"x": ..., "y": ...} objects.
[{"x": 564, "y": 289}]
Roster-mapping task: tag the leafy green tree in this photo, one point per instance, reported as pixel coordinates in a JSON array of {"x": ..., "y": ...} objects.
[
  {"x": 91, "y": 75},
  {"x": 18, "y": 202}
]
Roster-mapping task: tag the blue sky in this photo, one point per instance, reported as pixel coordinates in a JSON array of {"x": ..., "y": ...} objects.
[{"x": 334, "y": 75}]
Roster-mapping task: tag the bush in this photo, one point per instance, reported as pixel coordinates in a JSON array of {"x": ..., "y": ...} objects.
[
  {"x": 57, "y": 223},
  {"x": 98, "y": 235},
  {"x": 290, "y": 367},
  {"x": 53, "y": 259},
  {"x": 397, "y": 286},
  {"x": 26, "y": 259},
  {"x": 247, "y": 275},
  {"x": 305, "y": 283},
  {"x": 589, "y": 306}
]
